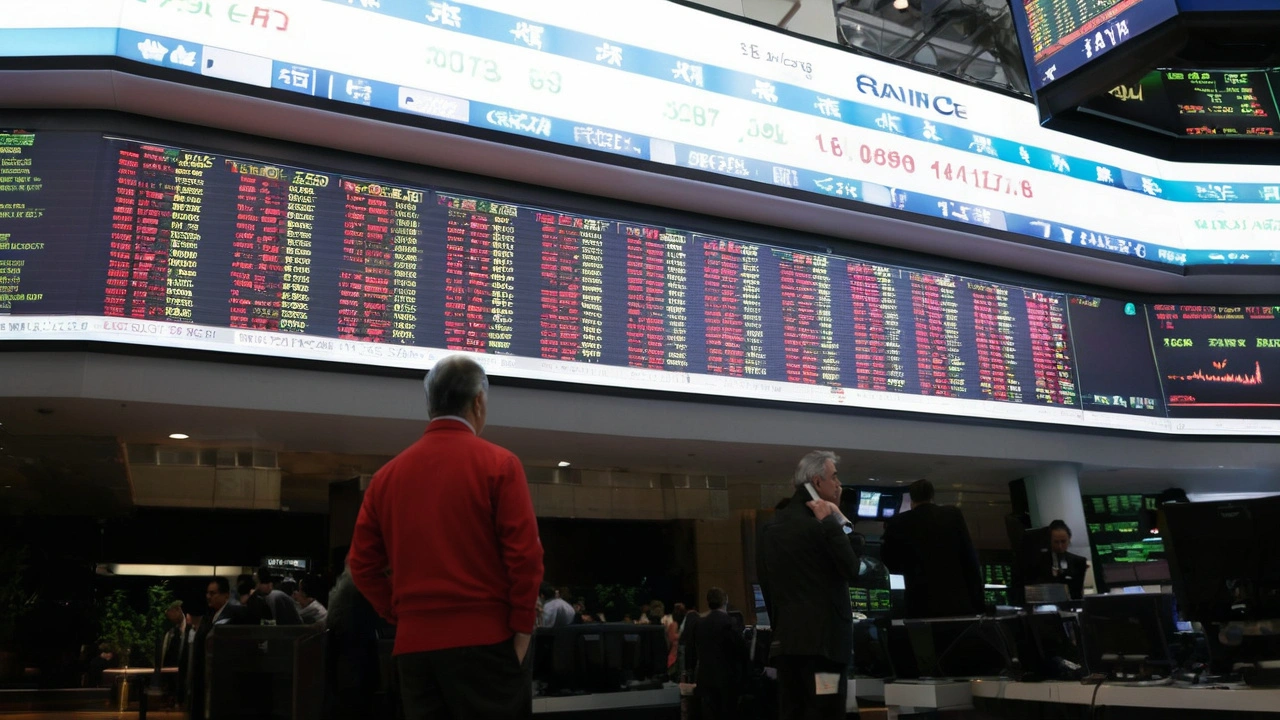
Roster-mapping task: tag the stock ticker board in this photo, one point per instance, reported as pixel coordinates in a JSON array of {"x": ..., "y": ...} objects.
[{"x": 123, "y": 240}]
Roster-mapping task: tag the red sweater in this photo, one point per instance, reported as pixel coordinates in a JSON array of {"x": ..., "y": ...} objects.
[{"x": 452, "y": 520}]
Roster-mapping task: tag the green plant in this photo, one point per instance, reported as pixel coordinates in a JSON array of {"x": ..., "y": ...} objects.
[
  {"x": 129, "y": 633},
  {"x": 14, "y": 600},
  {"x": 615, "y": 601}
]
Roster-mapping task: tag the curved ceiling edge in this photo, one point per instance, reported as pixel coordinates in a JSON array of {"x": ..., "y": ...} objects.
[{"x": 281, "y": 408}]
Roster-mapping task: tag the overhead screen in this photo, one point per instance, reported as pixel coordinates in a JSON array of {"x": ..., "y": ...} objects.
[
  {"x": 1061, "y": 36},
  {"x": 1207, "y": 103},
  {"x": 122, "y": 240},
  {"x": 680, "y": 87}
]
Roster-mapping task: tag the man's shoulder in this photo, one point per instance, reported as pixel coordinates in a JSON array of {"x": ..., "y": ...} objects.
[{"x": 448, "y": 444}]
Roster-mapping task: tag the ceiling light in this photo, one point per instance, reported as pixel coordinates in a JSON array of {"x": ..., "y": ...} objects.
[
  {"x": 178, "y": 436},
  {"x": 563, "y": 463},
  {"x": 899, "y": 4}
]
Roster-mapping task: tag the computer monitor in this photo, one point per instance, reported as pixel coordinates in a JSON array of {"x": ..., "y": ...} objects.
[
  {"x": 1032, "y": 561},
  {"x": 869, "y": 504},
  {"x": 860, "y": 600},
  {"x": 1125, "y": 544},
  {"x": 762, "y": 613},
  {"x": 1129, "y": 636},
  {"x": 1225, "y": 563},
  {"x": 1224, "y": 559}
]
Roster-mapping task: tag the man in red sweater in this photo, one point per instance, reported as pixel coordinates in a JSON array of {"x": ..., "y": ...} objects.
[{"x": 446, "y": 547}]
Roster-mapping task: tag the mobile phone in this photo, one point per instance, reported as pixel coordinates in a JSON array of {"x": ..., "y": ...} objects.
[{"x": 813, "y": 492}]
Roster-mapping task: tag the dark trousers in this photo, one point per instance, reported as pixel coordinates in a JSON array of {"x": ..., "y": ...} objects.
[
  {"x": 797, "y": 688},
  {"x": 482, "y": 682},
  {"x": 717, "y": 704}
]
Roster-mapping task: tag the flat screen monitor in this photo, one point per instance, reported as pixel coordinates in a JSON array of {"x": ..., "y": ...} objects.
[
  {"x": 897, "y": 582},
  {"x": 868, "y": 504},
  {"x": 762, "y": 613},
  {"x": 1127, "y": 548},
  {"x": 1224, "y": 559},
  {"x": 859, "y": 599},
  {"x": 1129, "y": 634}
]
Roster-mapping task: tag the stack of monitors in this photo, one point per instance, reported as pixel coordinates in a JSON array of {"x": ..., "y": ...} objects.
[
  {"x": 1126, "y": 544},
  {"x": 869, "y": 601}
]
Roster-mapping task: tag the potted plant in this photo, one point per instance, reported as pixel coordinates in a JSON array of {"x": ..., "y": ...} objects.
[
  {"x": 131, "y": 634},
  {"x": 14, "y": 603}
]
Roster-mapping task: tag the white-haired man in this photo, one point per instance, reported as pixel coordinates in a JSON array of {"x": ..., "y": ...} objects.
[
  {"x": 446, "y": 546},
  {"x": 807, "y": 557}
]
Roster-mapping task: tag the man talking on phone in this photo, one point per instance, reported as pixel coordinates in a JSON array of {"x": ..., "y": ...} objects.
[
  {"x": 446, "y": 547},
  {"x": 807, "y": 557}
]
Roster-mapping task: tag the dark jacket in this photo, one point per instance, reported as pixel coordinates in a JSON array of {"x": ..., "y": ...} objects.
[
  {"x": 283, "y": 609},
  {"x": 930, "y": 547},
  {"x": 805, "y": 568},
  {"x": 1072, "y": 577},
  {"x": 353, "y": 666},
  {"x": 719, "y": 655},
  {"x": 198, "y": 664}
]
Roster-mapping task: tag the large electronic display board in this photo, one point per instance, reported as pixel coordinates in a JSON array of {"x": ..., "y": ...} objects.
[
  {"x": 126, "y": 240},
  {"x": 679, "y": 87},
  {"x": 1218, "y": 360},
  {"x": 1199, "y": 103}
]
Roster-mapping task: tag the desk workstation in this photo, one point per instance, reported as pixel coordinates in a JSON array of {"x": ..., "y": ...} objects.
[
  {"x": 1209, "y": 648},
  {"x": 1003, "y": 698}
]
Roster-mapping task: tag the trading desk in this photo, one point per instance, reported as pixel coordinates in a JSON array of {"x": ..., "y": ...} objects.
[{"x": 1005, "y": 698}]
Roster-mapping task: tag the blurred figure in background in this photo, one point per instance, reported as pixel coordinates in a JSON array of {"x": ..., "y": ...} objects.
[
  {"x": 555, "y": 611},
  {"x": 309, "y": 608},
  {"x": 719, "y": 660},
  {"x": 283, "y": 610},
  {"x": 352, "y": 670}
]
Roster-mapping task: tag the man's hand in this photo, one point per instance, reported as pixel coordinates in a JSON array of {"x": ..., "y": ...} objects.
[
  {"x": 521, "y": 642},
  {"x": 822, "y": 508}
]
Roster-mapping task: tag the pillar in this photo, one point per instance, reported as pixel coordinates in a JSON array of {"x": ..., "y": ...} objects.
[{"x": 1053, "y": 493}]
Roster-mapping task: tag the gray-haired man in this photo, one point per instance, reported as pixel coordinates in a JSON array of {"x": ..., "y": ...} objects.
[{"x": 806, "y": 560}]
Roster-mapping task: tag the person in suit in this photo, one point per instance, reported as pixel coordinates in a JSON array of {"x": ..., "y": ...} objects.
[
  {"x": 173, "y": 652},
  {"x": 221, "y": 612},
  {"x": 1066, "y": 568},
  {"x": 807, "y": 556},
  {"x": 929, "y": 545},
  {"x": 719, "y": 660}
]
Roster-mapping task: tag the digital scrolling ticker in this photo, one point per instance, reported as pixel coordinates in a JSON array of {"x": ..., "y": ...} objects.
[{"x": 162, "y": 237}]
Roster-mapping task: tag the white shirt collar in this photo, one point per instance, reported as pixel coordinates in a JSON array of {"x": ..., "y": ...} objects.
[{"x": 458, "y": 418}]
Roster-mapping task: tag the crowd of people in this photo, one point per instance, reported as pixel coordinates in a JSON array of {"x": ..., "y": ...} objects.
[
  {"x": 265, "y": 598},
  {"x": 446, "y": 549}
]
